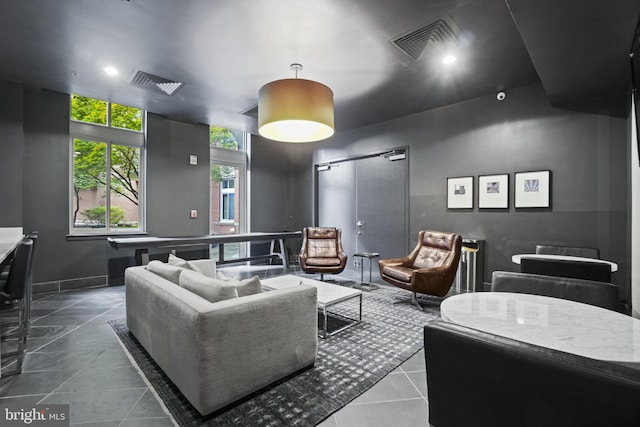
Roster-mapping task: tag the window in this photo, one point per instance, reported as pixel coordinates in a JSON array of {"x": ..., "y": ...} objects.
[
  {"x": 227, "y": 198},
  {"x": 107, "y": 146},
  {"x": 228, "y": 187}
]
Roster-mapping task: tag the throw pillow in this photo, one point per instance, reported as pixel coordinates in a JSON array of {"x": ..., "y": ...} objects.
[
  {"x": 182, "y": 263},
  {"x": 221, "y": 276},
  {"x": 212, "y": 290},
  {"x": 206, "y": 267},
  {"x": 166, "y": 271},
  {"x": 249, "y": 286}
]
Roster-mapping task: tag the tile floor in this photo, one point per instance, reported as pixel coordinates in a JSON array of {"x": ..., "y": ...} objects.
[{"x": 73, "y": 357}]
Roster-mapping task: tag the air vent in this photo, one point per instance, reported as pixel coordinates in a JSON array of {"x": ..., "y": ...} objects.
[
  {"x": 155, "y": 83},
  {"x": 414, "y": 42}
]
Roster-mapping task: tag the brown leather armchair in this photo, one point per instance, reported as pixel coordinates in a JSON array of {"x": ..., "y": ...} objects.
[
  {"x": 322, "y": 251},
  {"x": 429, "y": 269}
]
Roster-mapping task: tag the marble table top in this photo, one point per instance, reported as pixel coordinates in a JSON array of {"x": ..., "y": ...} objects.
[
  {"x": 516, "y": 259},
  {"x": 328, "y": 294},
  {"x": 9, "y": 239},
  {"x": 559, "y": 324}
]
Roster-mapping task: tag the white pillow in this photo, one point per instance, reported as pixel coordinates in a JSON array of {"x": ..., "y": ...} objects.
[
  {"x": 206, "y": 266},
  {"x": 212, "y": 290},
  {"x": 182, "y": 263},
  {"x": 220, "y": 276},
  {"x": 249, "y": 286},
  {"x": 166, "y": 271}
]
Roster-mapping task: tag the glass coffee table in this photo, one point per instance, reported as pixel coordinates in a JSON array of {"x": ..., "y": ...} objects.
[{"x": 328, "y": 295}]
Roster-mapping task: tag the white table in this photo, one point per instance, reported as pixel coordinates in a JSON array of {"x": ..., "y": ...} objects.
[
  {"x": 516, "y": 259},
  {"x": 328, "y": 295},
  {"x": 9, "y": 239},
  {"x": 555, "y": 323}
]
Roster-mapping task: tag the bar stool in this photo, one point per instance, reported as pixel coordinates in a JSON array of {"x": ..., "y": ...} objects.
[{"x": 14, "y": 291}]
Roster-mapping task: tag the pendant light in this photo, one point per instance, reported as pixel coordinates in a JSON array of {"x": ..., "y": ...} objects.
[{"x": 295, "y": 110}]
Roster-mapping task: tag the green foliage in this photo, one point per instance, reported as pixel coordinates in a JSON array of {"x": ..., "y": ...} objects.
[
  {"x": 91, "y": 110},
  {"x": 88, "y": 110},
  {"x": 125, "y": 171},
  {"x": 222, "y": 137},
  {"x": 126, "y": 117},
  {"x": 97, "y": 214}
]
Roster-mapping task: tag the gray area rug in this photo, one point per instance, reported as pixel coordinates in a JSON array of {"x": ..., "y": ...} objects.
[{"x": 347, "y": 364}]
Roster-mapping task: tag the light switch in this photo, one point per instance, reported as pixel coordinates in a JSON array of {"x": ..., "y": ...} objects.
[
  {"x": 194, "y": 214},
  {"x": 193, "y": 160}
]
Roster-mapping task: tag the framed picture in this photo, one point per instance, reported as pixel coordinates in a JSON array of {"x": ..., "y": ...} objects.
[
  {"x": 493, "y": 191},
  {"x": 532, "y": 189},
  {"x": 460, "y": 193}
]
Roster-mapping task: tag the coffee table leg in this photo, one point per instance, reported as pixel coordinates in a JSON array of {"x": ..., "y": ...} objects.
[{"x": 325, "y": 328}]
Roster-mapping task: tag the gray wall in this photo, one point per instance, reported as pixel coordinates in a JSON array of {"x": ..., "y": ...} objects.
[
  {"x": 34, "y": 167},
  {"x": 174, "y": 187},
  {"x": 11, "y": 146},
  {"x": 281, "y": 185},
  {"x": 281, "y": 181},
  {"x": 586, "y": 153}
]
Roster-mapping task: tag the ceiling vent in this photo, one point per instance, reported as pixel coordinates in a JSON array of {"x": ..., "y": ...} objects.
[
  {"x": 415, "y": 41},
  {"x": 155, "y": 83}
]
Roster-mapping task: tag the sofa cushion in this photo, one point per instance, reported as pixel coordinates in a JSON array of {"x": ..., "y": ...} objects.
[
  {"x": 249, "y": 286},
  {"x": 221, "y": 276},
  {"x": 166, "y": 271},
  {"x": 206, "y": 266},
  {"x": 182, "y": 263},
  {"x": 212, "y": 290}
]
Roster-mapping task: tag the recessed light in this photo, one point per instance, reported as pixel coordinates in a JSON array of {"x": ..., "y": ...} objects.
[
  {"x": 448, "y": 59},
  {"x": 112, "y": 71}
]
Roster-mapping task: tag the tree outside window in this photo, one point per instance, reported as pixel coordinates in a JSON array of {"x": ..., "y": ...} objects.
[{"x": 106, "y": 175}]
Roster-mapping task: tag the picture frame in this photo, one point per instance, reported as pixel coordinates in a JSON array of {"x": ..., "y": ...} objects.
[
  {"x": 533, "y": 189},
  {"x": 493, "y": 191},
  {"x": 460, "y": 192}
]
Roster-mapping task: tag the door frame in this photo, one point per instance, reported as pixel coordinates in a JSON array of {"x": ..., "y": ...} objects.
[{"x": 402, "y": 149}]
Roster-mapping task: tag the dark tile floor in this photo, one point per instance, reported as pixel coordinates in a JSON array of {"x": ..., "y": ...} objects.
[{"x": 73, "y": 357}]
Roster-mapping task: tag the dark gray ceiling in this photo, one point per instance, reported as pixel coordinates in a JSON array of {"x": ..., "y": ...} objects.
[{"x": 224, "y": 51}]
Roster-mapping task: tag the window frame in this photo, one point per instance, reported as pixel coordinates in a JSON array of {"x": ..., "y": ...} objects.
[
  {"x": 227, "y": 191},
  {"x": 110, "y": 136}
]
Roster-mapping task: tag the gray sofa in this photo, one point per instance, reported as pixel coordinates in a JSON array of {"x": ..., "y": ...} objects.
[{"x": 217, "y": 353}]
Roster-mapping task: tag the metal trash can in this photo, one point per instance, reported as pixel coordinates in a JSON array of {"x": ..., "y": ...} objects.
[{"x": 469, "y": 276}]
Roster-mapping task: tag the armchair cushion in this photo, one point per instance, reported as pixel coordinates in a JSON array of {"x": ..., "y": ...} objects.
[
  {"x": 399, "y": 272},
  {"x": 323, "y": 261}
]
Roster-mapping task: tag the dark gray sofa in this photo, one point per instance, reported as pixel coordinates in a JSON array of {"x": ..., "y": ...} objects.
[{"x": 480, "y": 379}]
